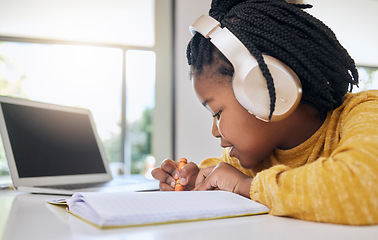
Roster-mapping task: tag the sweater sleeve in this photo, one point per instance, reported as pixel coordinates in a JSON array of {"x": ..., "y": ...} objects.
[{"x": 341, "y": 188}]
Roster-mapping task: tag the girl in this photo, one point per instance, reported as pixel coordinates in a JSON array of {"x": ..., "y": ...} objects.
[{"x": 320, "y": 163}]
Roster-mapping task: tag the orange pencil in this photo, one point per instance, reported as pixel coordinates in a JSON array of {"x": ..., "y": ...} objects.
[{"x": 178, "y": 186}]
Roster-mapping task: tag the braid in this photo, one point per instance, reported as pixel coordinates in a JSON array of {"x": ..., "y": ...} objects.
[{"x": 286, "y": 32}]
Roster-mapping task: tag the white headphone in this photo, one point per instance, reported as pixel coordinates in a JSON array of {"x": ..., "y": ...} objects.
[{"x": 248, "y": 83}]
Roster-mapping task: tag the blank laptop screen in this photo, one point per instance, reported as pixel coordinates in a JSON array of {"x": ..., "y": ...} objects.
[{"x": 49, "y": 142}]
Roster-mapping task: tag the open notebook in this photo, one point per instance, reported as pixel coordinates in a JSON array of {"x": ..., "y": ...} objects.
[
  {"x": 56, "y": 149},
  {"x": 124, "y": 209}
]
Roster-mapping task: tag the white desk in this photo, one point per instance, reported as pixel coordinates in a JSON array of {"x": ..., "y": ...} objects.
[{"x": 28, "y": 216}]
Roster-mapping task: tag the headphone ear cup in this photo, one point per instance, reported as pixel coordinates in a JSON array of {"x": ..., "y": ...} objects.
[{"x": 253, "y": 94}]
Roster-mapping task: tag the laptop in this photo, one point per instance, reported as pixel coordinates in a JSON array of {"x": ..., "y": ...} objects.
[{"x": 56, "y": 149}]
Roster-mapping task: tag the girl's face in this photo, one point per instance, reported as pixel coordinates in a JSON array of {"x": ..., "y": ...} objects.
[{"x": 251, "y": 140}]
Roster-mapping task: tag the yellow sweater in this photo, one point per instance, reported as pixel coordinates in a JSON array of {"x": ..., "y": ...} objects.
[{"x": 331, "y": 177}]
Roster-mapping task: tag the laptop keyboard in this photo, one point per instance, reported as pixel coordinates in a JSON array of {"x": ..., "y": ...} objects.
[
  {"x": 112, "y": 183},
  {"x": 77, "y": 186}
]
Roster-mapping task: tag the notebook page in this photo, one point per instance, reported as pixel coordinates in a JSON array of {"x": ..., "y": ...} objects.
[{"x": 135, "y": 208}]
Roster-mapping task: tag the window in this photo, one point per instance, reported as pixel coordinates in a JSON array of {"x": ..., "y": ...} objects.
[
  {"x": 111, "y": 71},
  {"x": 80, "y": 76},
  {"x": 88, "y": 77}
]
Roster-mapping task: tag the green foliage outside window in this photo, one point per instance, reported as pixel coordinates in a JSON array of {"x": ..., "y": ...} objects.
[{"x": 140, "y": 134}]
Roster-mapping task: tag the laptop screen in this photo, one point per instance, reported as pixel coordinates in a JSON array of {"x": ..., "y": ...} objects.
[{"x": 47, "y": 142}]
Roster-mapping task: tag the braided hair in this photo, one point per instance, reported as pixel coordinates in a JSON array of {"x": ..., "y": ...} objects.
[{"x": 284, "y": 31}]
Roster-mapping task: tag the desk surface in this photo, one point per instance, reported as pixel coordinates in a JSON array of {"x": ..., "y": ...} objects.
[{"x": 28, "y": 216}]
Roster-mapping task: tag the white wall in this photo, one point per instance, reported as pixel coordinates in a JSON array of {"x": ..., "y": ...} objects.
[
  {"x": 355, "y": 25},
  {"x": 352, "y": 20}
]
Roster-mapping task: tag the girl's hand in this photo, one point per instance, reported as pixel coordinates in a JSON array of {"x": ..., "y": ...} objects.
[
  {"x": 225, "y": 177},
  {"x": 168, "y": 173}
]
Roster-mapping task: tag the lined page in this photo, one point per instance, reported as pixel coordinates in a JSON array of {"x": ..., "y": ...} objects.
[{"x": 135, "y": 208}]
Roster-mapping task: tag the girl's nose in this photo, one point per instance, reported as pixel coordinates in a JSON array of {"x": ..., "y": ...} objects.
[{"x": 215, "y": 130}]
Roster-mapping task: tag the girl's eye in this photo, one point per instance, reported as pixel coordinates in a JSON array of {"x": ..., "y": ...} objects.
[{"x": 217, "y": 115}]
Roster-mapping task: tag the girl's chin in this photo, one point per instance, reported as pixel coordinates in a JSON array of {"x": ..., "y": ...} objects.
[
  {"x": 244, "y": 162},
  {"x": 231, "y": 152},
  {"x": 247, "y": 163}
]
